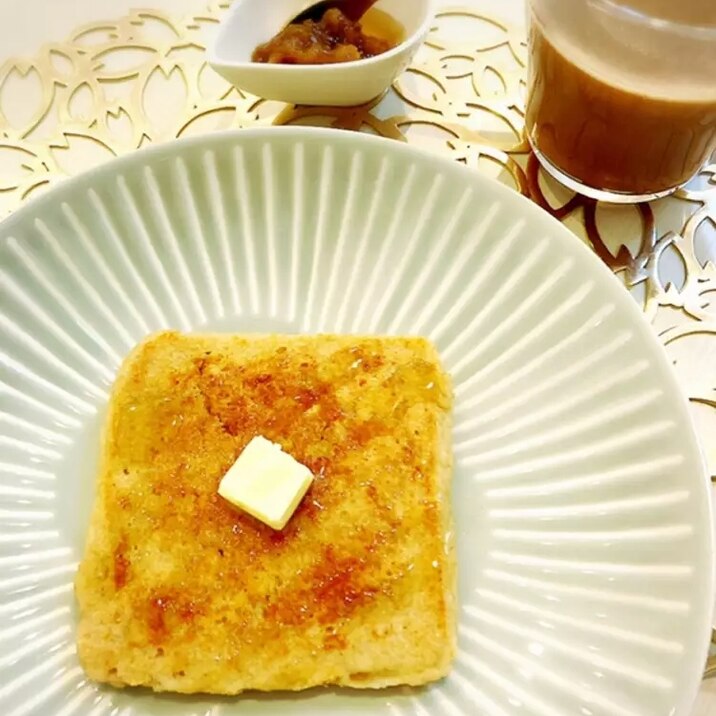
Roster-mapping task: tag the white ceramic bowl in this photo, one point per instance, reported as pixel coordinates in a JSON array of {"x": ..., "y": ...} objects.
[
  {"x": 581, "y": 501},
  {"x": 252, "y": 22}
]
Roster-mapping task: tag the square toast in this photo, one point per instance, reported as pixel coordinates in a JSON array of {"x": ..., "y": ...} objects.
[{"x": 180, "y": 591}]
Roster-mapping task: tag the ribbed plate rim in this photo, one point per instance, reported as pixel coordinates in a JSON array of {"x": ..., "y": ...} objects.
[{"x": 612, "y": 289}]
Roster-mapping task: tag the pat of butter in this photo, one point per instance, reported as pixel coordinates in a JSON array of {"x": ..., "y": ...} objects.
[{"x": 266, "y": 482}]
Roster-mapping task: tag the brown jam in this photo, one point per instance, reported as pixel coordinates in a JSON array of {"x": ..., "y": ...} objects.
[{"x": 333, "y": 39}]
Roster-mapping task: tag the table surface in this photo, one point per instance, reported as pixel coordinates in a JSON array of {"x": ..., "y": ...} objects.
[{"x": 83, "y": 81}]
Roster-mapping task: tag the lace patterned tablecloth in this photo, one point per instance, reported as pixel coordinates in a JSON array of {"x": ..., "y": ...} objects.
[{"x": 113, "y": 86}]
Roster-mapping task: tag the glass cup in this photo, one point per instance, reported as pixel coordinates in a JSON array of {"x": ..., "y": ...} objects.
[{"x": 622, "y": 94}]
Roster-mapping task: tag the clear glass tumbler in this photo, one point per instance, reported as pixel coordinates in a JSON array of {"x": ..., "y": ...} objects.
[{"x": 622, "y": 93}]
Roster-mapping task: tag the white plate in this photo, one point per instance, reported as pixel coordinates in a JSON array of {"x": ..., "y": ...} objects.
[{"x": 582, "y": 512}]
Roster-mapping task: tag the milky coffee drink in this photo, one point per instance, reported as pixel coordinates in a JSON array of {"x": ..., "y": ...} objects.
[{"x": 620, "y": 103}]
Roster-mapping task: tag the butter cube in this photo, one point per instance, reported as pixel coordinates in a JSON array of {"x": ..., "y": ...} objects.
[{"x": 266, "y": 482}]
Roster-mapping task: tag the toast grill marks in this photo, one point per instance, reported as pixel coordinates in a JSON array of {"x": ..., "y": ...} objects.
[{"x": 180, "y": 591}]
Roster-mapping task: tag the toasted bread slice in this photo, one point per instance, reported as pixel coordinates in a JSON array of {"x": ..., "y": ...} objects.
[{"x": 180, "y": 591}]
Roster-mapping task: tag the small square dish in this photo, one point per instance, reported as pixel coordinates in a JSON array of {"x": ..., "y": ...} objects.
[{"x": 252, "y": 22}]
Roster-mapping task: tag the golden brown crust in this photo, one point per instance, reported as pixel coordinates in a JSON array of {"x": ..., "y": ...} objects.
[{"x": 180, "y": 591}]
